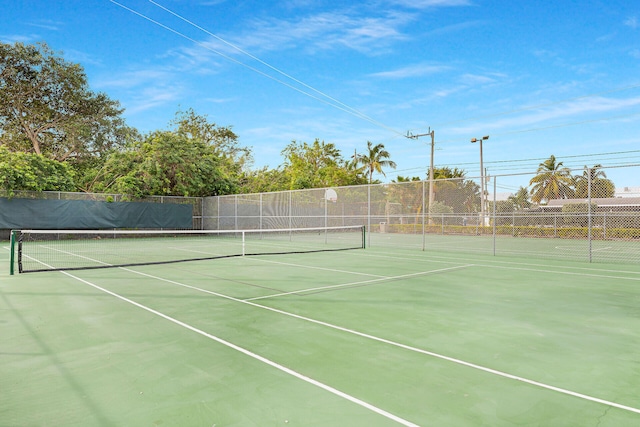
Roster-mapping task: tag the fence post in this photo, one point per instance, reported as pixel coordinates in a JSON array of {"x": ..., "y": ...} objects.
[
  {"x": 494, "y": 216},
  {"x": 424, "y": 208},
  {"x": 235, "y": 203},
  {"x": 369, "y": 212},
  {"x": 589, "y": 222}
]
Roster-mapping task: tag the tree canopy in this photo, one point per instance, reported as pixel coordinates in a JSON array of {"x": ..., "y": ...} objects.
[
  {"x": 46, "y": 106},
  {"x": 317, "y": 165},
  {"x": 33, "y": 172},
  {"x": 600, "y": 185},
  {"x": 197, "y": 158}
]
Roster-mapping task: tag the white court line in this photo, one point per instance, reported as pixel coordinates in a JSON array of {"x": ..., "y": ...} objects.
[
  {"x": 578, "y": 249},
  {"x": 251, "y": 354},
  {"x": 350, "y": 331},
  {"x": 312, "y": 267},
  {"x": 485, "y": 263},
  {"x": 403, "y": 346},
  {"x": 363, "y": 282}
]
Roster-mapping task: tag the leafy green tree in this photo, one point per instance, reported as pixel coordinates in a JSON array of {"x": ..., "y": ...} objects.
[
  {"x": 408, "y": 192},
  {"x": 317, "y": 165},
  {"x": 264, "y": 180},
  {"x": 601, "y": 186},
  {"x": 553, "y": 181},
  {"x": 453, "y": 189},
  {"x": 33, "y": 172},
  {"x": 520, "y": 200},
  {"x": 375, "y": 159},
  {"x": 165, "y": 163},
  {"x": 221, "y": 140},
  {"x": 46, "y": 106}
]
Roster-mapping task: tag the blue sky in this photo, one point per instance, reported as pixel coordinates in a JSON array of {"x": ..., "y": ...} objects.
[{"x": 539, "y": 77}]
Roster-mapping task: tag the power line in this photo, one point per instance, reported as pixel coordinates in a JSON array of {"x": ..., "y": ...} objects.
[
  {"x": 612, "y": 153},
  {"x": 328, "y": 100}
]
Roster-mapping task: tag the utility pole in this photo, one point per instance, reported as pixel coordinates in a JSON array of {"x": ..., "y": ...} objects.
[
  {"x": 432, "y": 134},
  {"x": 482, "y": 174}
]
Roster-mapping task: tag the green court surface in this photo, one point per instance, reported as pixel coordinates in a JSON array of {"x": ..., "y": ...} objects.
[{"x": 368, "y": 337}]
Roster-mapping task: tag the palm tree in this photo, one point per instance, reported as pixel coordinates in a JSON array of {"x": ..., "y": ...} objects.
[
  {"x": 553, "y": 181},
  {"x": 375, "y": 159},
  {"x": 600, "y": 185},
  {"x": 520, "y": 199}
]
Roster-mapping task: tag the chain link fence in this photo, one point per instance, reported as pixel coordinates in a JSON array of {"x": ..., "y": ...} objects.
[
  {"x": 499, "y": 215},
  {"x": 592, "y": 221}
]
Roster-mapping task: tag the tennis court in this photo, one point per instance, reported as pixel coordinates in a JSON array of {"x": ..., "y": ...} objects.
[{"x": 368, "y": 337}]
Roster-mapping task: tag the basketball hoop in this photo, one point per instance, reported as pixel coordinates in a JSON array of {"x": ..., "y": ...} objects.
[{"x": 331, "y": 195}]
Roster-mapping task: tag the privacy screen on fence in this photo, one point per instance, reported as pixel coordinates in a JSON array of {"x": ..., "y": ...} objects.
[{"x": 87, "y": 214}]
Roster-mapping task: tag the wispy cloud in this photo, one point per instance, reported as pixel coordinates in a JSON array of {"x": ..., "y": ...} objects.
[
  {"x": 424, "y": 4},
  {"x": 582, "y": 109},
  {"x": 632, "y": 22},
  {"x": 46, "y": 24},
  {"x": 417, "y": 70},
  {"x": 476, "y": 79},
  {"x": 212, "y": 2},
  {"x": 327, "y": 31},
  {"x": 137, "y": 78},
  {"x": 152, "y": 97},
  {"x": 21, "y": 38}
]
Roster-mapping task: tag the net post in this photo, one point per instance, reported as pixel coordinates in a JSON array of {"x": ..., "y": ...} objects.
[
  {"x": 364, "y": 237},
  {"x": 12, "y": 249}
]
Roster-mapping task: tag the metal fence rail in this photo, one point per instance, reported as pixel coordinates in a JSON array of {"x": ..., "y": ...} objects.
[{"x": 592, "y": 223}]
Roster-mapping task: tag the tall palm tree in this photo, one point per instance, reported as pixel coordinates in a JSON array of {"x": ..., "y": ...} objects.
[
  {"x": 600, "y": 185},
  {"x": 520, "y": 199},
  {"x": 375, "y": 159},
  {"x": 553, "y": 181}
]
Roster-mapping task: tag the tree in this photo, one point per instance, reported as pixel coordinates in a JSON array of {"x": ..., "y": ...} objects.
[
  {"x": 553, "y": 181},
  {"x": 375, "y": 159},
  {"x": 46, "y": 106},
  {"x": 222, "y": 141},
  {"x": 520, "y": 200},
  {"x": 408, "y": 192},
  {"x": 452, "y": 189},
  {"x": 264, "y": 180},
  {"x": 317, "y": 165},
  {"x": 165, "y": 163},
  {"x": 33, "y": 172},
  {"x": 600, "y": 185}
]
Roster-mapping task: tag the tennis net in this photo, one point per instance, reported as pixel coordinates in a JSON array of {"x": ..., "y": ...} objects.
[{"x": 46, "y": 250}]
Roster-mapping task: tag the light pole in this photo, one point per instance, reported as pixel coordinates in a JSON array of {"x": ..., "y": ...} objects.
[{"x": 474, "y": 140}]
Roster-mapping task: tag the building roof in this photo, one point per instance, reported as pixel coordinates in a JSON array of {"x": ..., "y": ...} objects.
[{"x": 608, "y": 202}]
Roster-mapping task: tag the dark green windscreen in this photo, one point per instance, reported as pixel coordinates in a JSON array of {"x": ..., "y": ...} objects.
[{"x": 86, "y": 214}]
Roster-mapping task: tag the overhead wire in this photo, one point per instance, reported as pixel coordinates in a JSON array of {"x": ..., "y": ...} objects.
[
  {"x": 328, "y": 100},
  {"x": 335, "y": 103}
]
